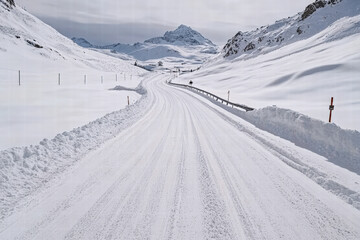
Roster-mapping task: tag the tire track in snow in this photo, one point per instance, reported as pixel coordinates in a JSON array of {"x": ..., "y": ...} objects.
[
  {"x": 129, "y": 214},
  {"x": 349, "y": 196},
  {"x": 216, "y": 222},
  {"x": 174, "y": 217},
  {"x": 322, "y": 212},
  {"x": 144, "y": 229},
  {"x": 118, "y": 199},
  {"x": 105, "y": 203}
]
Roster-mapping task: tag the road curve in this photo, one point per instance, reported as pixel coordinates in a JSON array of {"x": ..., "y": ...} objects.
[{"x": 186, "y": 170}]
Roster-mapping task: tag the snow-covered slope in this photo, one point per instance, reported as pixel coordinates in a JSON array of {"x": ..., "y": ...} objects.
[
  {"x": 40, "y": 107},
  {"x": 181, "y": 48},
  {"x": 303, "y": 75},
  {"x": 314, "y": 19}
]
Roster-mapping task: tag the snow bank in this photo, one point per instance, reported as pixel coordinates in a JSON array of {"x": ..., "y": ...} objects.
[
  {"x": 24, "y": 169},
  {"x": 339, "y": 146},
  {"x": 139, "y": 89}
]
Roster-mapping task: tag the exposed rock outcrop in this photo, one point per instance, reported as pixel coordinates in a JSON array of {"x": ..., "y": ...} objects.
[
  {"x": 310, "y": 9},
  {"x": 287, "y": 30},
  {"x": 8, "y": 3},
  {"x": 249, "y": 47}
]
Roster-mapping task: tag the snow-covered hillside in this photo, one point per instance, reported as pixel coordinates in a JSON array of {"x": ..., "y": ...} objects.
[
  {"x": 175, "y": 164},
  {"x": 302, "y": 75},
  {"x": 315, "y": 18},
  {"x": 181, "y": 48},
  {"x": 41, "y": 108}
]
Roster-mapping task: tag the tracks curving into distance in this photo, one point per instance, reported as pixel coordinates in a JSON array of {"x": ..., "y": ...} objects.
[{"x": 185, "y": 171}]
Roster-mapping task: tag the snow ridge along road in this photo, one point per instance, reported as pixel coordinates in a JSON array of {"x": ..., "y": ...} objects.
[{"x": 190, "y": 170}]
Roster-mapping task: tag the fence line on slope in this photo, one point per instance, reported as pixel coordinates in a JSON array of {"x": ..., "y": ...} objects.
[
  {"x": 217, "y": 98},
  {"x": 19, "y": 77}
]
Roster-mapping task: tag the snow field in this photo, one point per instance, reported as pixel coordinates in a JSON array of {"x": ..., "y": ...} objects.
[
  {"x": 40, "y": 108},
  {"x": 302, "y": 76},
  {"x": 24, "y": 169}
]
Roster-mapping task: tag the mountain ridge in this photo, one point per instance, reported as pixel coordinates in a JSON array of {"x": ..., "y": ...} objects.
[
  {"x": 181, "y": 43},
  {"x": 316, "y": 17}
]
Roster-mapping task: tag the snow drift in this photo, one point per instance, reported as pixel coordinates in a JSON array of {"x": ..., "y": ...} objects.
[{"x": 339, "y": 146}]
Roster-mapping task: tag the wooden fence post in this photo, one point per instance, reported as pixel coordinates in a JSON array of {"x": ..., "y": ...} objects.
[{"x": 331, "y": 108}]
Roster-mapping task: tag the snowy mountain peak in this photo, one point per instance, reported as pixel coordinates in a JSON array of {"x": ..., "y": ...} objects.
[
  {"x": 316, "y": 17},
  {"x": 182, "y": 29},
  {"x": 183, "y": 35}
]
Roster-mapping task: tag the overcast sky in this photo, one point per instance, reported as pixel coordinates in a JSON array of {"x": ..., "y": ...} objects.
[{"x": 111, "y": 21}]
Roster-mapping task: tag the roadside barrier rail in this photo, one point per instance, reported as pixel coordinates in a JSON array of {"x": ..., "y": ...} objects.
[{"x": 217, "y": 98}]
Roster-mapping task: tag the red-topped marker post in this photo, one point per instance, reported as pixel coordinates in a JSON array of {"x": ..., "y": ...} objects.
[{"x": 331, "y": 108}]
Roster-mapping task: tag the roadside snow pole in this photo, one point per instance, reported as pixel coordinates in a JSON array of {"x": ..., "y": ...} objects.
[
  {"x": 85, "y": 79},
  {"x": 102, "y": 80},
  {"x": 331, "y": 108},
  {"x": 128, "y": 100},
  {"x": 229, "y": 96},
  {"x": 19, "y": 78},
  {"x": 59, "y": 79}
]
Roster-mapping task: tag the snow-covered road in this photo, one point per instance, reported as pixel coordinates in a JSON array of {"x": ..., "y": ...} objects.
[{"x": 187, "y": 170}]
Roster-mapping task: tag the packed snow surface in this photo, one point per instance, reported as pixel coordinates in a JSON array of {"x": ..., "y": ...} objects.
[{"x": 173, "y": 173}]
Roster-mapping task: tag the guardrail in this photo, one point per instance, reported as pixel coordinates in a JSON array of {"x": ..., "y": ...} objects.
[{"x": 246, "y": 108}]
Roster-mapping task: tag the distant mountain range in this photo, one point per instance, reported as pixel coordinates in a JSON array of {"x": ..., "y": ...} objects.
[{"x": 183, "y": 42}]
